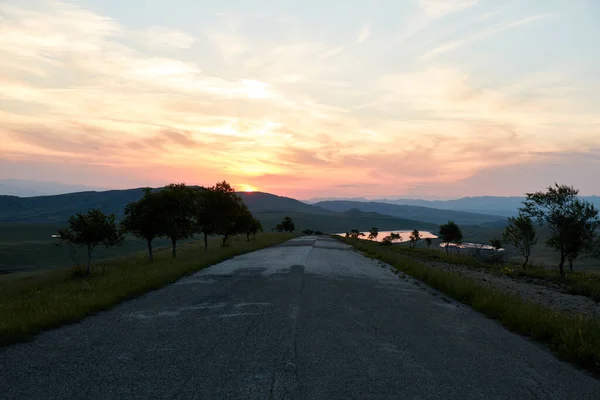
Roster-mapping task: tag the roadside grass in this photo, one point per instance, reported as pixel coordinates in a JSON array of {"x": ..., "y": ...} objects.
[
  {"x": 572, "y": 337},
  {"x": 35, "y": 301},
  {"x": 583, "y": 283}
]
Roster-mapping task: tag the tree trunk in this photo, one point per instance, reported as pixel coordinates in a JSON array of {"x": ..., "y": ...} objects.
[
  {"x": 447, "y": 253},
  {"x": 571, "y": 264},
  {"x": 205, "y": 241},
  {"x": 150, "y": 254},
  {"x": 561, "y": 266},
  {"x": 174, "y": 243},
  {"x": 247, "y": 237},
  {"x": 89, "y": 263},
  {"x": 525, "y": 263},
  {"x": 225, "y": 239}
]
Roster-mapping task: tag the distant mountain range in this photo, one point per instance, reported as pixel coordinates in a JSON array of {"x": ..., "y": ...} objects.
[
  {"x": 420, "y": 213},
  {"x": 26, "y": 188},
  {"x": 490, "y": 205},
  {"x": 268, "y": 208}
]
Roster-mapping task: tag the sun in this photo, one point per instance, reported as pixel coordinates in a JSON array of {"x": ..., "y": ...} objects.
[{"x": 245, "y": 187}]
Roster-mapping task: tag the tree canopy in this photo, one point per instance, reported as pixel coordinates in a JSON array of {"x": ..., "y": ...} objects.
[
  {"x": 450, "y": 233},
  {"x": 92, "y": 229},
  {"x": 521, "y": 234},
  {"x": 572, "y": 221}
]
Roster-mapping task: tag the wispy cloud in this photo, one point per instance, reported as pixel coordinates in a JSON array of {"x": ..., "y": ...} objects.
[
  {"x": 481, "y": 35},
  {"x": 439, "y": 8},
  {"x": 363, "y": 35},
  {"x": 275, "y": 105}
]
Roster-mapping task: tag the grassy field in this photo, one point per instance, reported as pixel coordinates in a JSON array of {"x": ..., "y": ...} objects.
[
  {"x": 29, "y": 246},
  {"x": 572, "y": 337},
  {"x": 34, "y": 301}
]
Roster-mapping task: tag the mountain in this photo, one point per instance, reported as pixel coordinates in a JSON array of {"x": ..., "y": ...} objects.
[
  {"x": 425, "y": 214},
  {"x": 26, "y": 188},
  {"x": 493, "y": 205},
  {"x": 265, "y": 202},
  {"x": 268, "y": 208},
  {"x": 58, "y": 208}
]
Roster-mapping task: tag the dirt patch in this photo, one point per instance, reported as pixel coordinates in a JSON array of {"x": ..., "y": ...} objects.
[{"x": 534, "y": 290}]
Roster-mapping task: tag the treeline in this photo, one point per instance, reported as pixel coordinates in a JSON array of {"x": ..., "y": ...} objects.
[{"x": 176, "y": 212}]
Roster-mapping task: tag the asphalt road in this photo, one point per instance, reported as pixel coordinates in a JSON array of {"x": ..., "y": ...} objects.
[{"x": 309, "y": 319}]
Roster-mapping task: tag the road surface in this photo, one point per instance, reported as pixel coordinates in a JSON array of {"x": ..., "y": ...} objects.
[{"x": 309, "y": 319}]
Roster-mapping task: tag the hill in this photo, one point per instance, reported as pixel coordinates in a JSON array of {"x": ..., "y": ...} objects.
[
  {"x": 268, "y": 208},
  {"x": 425, "y": 214},
  {"x": 494, "y": 205}
]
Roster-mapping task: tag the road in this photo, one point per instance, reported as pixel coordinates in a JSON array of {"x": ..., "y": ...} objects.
[{"x": 308, "y": 319}]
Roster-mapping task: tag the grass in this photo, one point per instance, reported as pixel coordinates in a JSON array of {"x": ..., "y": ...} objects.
[
  {"x": 31, "y": 302},
  {"x": 583, "y": 283},
  {"x": 572, "y": 337}
]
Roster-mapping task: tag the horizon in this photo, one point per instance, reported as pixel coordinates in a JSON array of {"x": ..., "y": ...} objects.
[
  {"x": 83, "y": 189},
  {"x": 422, "y": 99}
]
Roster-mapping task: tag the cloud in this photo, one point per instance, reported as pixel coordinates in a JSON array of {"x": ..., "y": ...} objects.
[
  {"x": 276, "y": 111},
  {"x": 166, "y": 37},
  {"x": 363, "y": 35},
  {"x": 481, "y": 35},
  {"x": 439, "y": 8}
]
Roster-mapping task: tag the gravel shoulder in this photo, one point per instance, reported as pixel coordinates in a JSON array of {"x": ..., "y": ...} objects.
[{"x": 536, "y": 291}]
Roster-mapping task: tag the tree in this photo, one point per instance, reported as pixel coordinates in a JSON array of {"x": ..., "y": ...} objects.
[
  {"x": 227, "y": 208},
  {"x": 141, "y": 219},
  {"x": 521, "y": 234},
  {"x": 428, "y": 242},
  {"x": 279, "y": 228},
  {"x": 90, "y": 230},
  {"x": 288, "y": 224},
  {"x": 247, "y": 224},
  {"x": 415, "y": 236},
  {"x": 177, "y": 213},
  {"x": 496, "y": 244},
  {"x": 572, "y": 222},
  {"x": 450, "y": 233},
  {"x": 373, "y": 233},
  {"x": 311, "y": 232},
  {"x": 395, "y": 236}
]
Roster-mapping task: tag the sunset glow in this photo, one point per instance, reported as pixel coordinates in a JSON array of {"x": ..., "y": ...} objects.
[
  {"x": 391, "y": 98},
  {"x": 244, "y": 187}
]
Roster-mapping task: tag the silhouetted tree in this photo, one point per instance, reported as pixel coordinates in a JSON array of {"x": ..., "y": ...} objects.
[
  {"x": 288, "y": 225},
  {"x": 573, "y": 222},
  {"x": 373, "y": 233},
  {"x": 141, "y": 219},
  {"x": 90, "y": 230},
  {"x": 428, "y": 242},
  {"x": 450, "y": 233},
  {"x": 177, "y": 213},
  {"x": 310, "y": 232},
  {"x": 227, "y": 209},
  {"x": 415, "y": 236},
  {"x": 521, "y": 234}
]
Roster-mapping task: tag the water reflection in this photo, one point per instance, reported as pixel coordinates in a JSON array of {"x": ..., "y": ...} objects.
[
  {"x": 471, "y": 246},
  {"x": 404, "y": 234}
]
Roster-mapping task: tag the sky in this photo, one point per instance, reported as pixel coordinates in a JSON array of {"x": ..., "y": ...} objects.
[{"x": 398, "y": 98}]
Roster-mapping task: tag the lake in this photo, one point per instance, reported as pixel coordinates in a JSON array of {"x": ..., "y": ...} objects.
[
  {"x": 405, "y": 235},
  {"x": 471, "y": 246}
]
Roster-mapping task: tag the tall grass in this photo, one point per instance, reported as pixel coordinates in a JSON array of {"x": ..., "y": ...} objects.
[
  {"x": 573, "y": 337},
  {"x": 584, "y": 283},
  {"x": 32, "y": 302}
]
